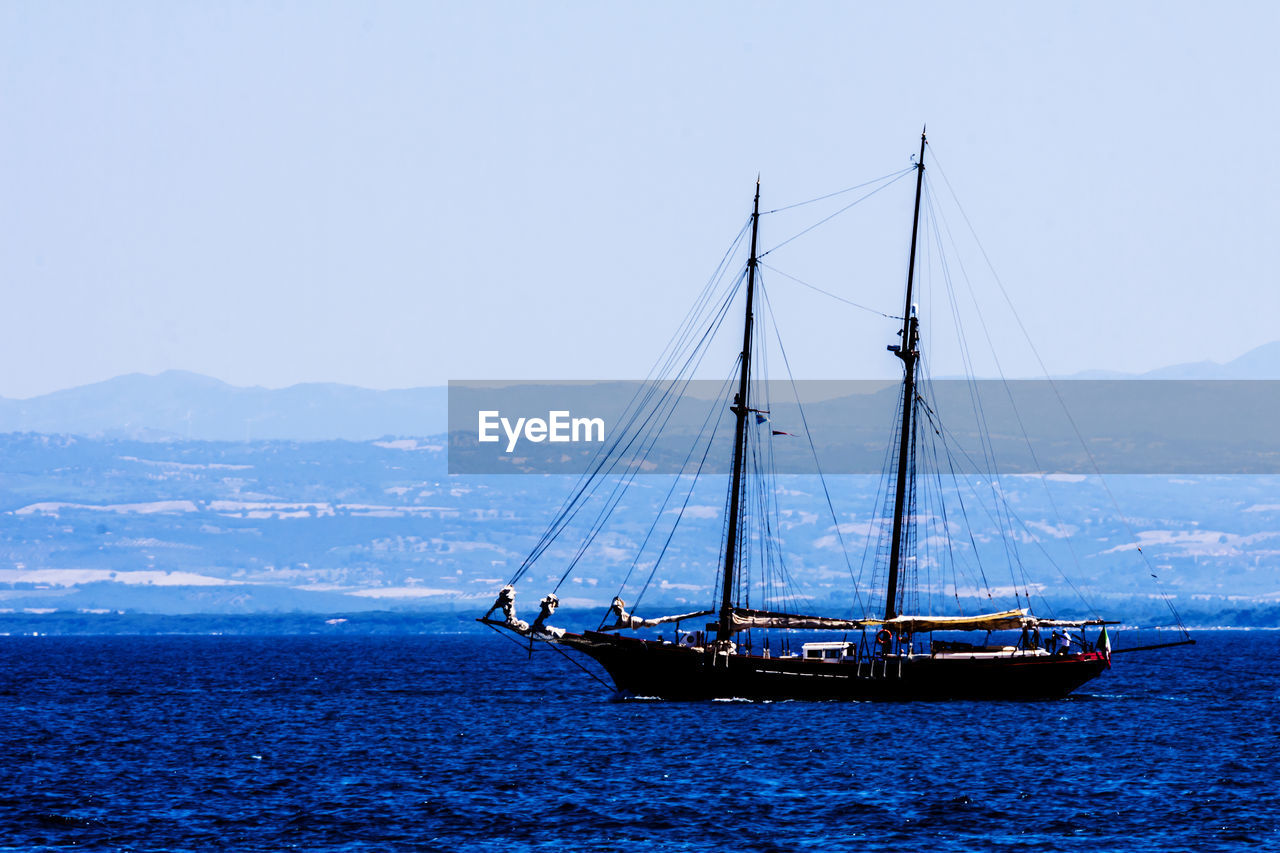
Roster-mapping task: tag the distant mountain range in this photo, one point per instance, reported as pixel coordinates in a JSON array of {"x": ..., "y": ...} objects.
[
  {"x": 1259, "y": 363},
  {"x": 177, "y": 404}
]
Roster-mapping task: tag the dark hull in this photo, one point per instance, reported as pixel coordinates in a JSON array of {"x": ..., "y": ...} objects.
[{"x": 653, "y": 669}]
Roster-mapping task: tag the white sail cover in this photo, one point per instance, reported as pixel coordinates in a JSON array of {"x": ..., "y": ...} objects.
[
  {"x": 1005, "y": 620},
  {"x": 743, "y": 620},
  {"x": 624, "y": 621}
]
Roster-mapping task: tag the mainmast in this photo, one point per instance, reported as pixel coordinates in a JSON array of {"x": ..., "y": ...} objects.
[
  {"x": 910, "y": 355},
  {"x": 741, "y": 409}
]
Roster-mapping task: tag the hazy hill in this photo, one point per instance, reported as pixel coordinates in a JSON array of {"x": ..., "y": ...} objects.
[
  {"x": 1259, "y": 363},
  {"x": 180, "y": 404}
]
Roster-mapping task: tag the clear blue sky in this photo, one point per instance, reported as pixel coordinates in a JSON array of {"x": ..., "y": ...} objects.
[{"x": 396, "y": 194}]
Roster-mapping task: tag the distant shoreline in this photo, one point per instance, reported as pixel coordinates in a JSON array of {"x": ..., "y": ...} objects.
[{"x": 362, "y": 624}]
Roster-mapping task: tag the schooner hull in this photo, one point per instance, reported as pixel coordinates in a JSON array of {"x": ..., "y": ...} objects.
[{"x": 647, "y": 668}]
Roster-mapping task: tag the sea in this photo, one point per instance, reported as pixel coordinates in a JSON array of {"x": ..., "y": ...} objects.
[{"x": 469, "y": 743}]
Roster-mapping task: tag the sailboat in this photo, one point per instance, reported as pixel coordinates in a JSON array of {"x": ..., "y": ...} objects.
[{"x": 888, "y": 655}]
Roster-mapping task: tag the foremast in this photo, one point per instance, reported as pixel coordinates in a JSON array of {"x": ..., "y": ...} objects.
[
  {"x": 910, "y": 355},
  {"x": 741, "y": 409}
]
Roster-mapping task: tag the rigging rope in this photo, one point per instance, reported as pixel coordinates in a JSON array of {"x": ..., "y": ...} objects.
[
  {"x": 1057, "y": 515},
  {"x": 718, "y": 409},
  {"x": 944, "y": 432},
  {"x": 910, "y": 168},
  {"x": 814, "y": 450},
  {"x": 604, "y": 459},
  {"x": 1057, "y": 392},
  {"x": 829, "y": 293},
  {"x": 651, "y": 432},
  {"x": 826, "y": 219},
  {"x": 984, "y": 431}
]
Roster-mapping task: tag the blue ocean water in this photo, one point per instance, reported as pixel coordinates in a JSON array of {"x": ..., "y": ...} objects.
[{"x": 463, "y": 743}]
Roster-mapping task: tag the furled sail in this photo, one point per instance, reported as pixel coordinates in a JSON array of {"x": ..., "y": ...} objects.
[
  {"x": 1005, "y": 620},
  {"x": 625, "y": 621},
  {"x": 742, "y": 619}
]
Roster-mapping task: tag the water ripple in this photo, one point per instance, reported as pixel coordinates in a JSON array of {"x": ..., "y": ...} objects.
[{"x": 353, "y": 744}]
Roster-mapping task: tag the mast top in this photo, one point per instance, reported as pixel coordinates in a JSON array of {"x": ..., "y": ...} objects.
[{"x": 907, "y": 313}]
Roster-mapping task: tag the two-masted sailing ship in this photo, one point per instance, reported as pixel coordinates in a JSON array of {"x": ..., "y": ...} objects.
[{"x": 890, "y": 654}]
